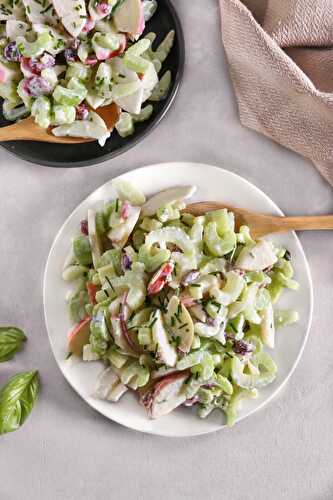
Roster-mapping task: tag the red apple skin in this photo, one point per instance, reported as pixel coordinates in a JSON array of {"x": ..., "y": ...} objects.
[
  {"x": 160, "y": 278},
  {"x": 92, "y": 289},
  {"x": 149, "y": 395},
  {"x": 79, "y": 336},
  {"x": 122, "y": 48}
]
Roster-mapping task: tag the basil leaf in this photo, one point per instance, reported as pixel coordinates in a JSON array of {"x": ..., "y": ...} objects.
[
  {"x": 17, "y": 399},
  {"x": 11, "y": 341}
]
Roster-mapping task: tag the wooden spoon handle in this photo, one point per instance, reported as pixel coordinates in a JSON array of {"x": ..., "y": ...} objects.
[
  {"x": 303, "y": 223},
  {"x": 28, "y": 130},
  {"x": 12, "y": 133}
]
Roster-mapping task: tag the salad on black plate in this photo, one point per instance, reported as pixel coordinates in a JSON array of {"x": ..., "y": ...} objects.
[{"x": 60, "y": 60}]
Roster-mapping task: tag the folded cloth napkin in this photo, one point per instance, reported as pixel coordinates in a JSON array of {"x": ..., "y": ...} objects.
[{"x": 280, "y": 54}]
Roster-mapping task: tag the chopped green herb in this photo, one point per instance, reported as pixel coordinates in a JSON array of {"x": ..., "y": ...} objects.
[
  {"x": 109, "y": 282},
  {"x": 152, "y": 323},
  {"x": 287, "y": 255}
]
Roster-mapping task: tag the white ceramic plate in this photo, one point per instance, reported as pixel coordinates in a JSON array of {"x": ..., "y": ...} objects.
[{"x": 213, "y": 184}]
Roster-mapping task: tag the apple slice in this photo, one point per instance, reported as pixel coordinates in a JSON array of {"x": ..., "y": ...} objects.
[
  {"x": 74, "y": 24},
  {"x": 199, "y": 313},
  {"x": 120, "y": 234},
  {"x": 109, "y": 386},
  {"x": 73, "y": 15},
  {"x": 149, "y": 81},
  {"x": 131, "y": 103},
  {"x": 180, "y": 323},
  {"x": 128, "y": 17},
  {"x": 36, "y": 14},
  {"x": 79, "y": 337},
  {"x": 165, "y": 395},
  {"x": 165, "y": 197},
  {"x": 95, "y": 243},
  {"x": 256, "y": 257},
  {"x": 15, "y": 28},
  {"x": 119, "y": 68},
  {"x": 165, "y": 351}
]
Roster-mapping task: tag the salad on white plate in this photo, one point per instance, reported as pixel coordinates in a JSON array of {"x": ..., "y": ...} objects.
[
  {"x": 179, "y": 309},
  {"x": 60, "y": 60}
]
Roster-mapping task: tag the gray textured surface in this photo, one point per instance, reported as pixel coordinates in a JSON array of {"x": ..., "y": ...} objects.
[{"x": 66, "y": 451}]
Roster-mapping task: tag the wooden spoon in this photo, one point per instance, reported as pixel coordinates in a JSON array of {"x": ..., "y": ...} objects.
[
  {"x": 260, "y": 224},
  {"x": 28, "y": 130}
]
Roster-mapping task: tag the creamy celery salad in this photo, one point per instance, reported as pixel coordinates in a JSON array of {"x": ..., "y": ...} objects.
[
  {"x": 60, "y": 60},
  {"x": 179, "y": 309}
]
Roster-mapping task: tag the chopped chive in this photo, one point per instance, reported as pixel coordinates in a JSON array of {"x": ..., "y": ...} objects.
[
  {"x": 47, "y": 8},
  {"x": 131, "y": 316},
  {"x": 216, "y": 304},
  {"x": 106, "y": 324},
  {"x": 69, "y": 354},
  {"x": 111, "y": 286},
  {"x": 152, "y": 323},
  {"x": 287, "y": 255},
  {"x": 176, "y": 315}
]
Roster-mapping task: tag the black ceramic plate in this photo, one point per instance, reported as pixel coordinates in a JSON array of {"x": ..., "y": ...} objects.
[{"x": 79, "y": 155}]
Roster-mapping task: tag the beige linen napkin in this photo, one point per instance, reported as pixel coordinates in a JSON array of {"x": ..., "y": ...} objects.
[{"x": 280, "y": 54}]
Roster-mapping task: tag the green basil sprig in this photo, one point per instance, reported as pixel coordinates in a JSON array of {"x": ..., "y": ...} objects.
[
  {"x": 17, "y": 399},
  {"x": 11, "y": 342}
]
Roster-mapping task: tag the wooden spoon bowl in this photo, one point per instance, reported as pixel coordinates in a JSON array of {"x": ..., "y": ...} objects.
[{"x": 28, "y": 130}]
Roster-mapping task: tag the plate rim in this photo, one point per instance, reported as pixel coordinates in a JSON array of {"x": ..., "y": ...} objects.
[
  {"x": 306, "y": 269},
  {"x": 151, "y": 125}
]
